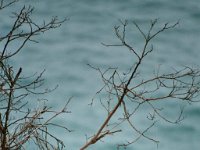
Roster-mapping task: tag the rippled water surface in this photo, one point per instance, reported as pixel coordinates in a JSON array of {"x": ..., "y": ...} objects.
[{"x": 66, "y": 51}]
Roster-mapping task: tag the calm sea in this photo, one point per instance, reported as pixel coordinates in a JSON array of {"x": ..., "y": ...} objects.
[{"x": 66, "y": 51}]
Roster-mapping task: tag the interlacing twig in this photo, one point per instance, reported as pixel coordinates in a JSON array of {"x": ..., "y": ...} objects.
[{"x": 123, "y": 90}]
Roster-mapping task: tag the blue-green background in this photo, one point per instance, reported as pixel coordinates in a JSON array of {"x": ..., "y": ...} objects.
[{"x": 66, "y": 51}]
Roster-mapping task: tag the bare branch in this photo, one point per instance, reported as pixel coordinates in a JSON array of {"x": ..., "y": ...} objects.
[{"x": 182, "y": 84}]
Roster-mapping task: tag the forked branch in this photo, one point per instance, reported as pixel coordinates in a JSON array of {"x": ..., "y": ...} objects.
[{"x": 176, "y": 83}]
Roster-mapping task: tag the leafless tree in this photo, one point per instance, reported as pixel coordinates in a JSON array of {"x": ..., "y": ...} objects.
[
  {"x": 128, "y": 92},
  {"x": 21, "y": 124}
]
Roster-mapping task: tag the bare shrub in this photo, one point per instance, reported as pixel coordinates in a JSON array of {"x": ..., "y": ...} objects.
[
  {"x": 20, "y": 123},
  {"x": 127, "y": 92}
]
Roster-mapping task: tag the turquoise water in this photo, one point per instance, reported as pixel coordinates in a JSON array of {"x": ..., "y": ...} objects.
[{"x": 66, "y": 51}]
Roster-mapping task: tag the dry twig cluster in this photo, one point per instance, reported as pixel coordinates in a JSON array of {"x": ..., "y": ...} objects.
[
  {"x": 129, "y": 96},
  {"x": 19, "y": 123}
]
